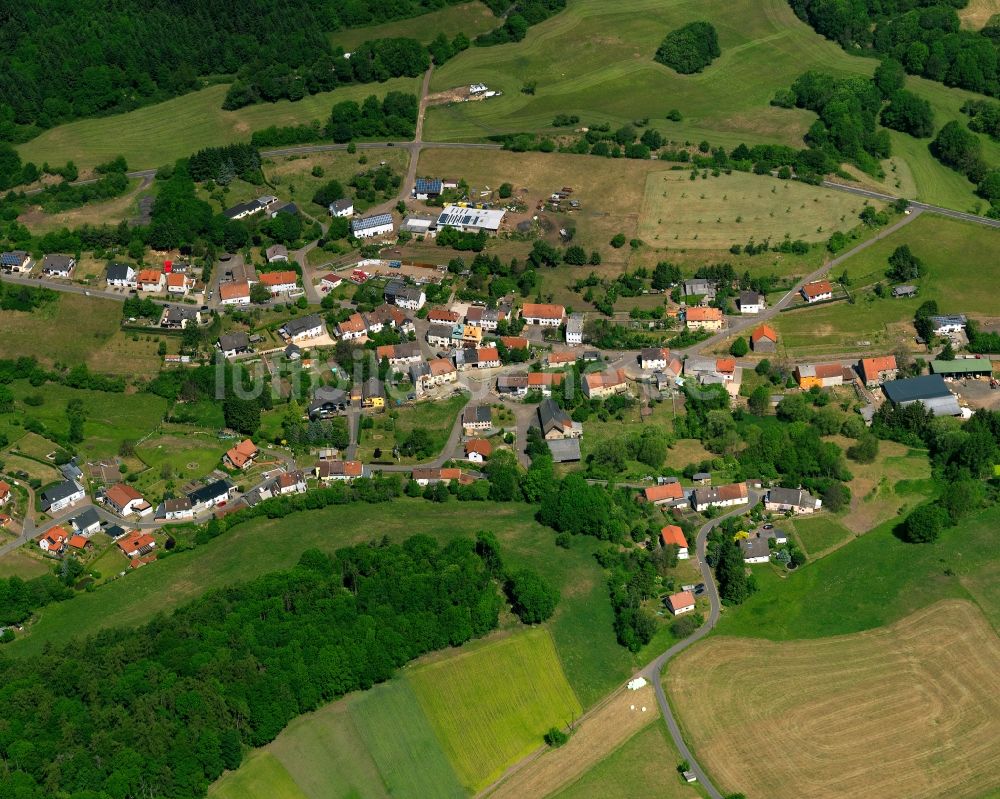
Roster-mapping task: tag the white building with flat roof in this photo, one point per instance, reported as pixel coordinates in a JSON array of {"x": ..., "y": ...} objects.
[{"x": 470, "y": 220}]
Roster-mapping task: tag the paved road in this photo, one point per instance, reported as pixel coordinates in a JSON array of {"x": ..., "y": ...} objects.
[
  {"x": 934, "y": 209},
  {"x": 653, "y": 671}
]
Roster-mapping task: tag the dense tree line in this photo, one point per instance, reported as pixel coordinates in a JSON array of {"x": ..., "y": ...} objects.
[
  {"x": 59, "y": 62},
  {"x": 19, "y": 598},
  {"x": 960, "y": 149},
  {"x": 225, "y": 164},
  {"x": 161, "y": 710},
  {"x": 520, "y": 15},
  {"x": 394, "y": 116},
  {"x": 925, "y": 36},
  {"x": 690, "y": 48},
  {"x": 984, "y": 117}
]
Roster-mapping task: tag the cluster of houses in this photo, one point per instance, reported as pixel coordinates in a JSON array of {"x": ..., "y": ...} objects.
[
  {"x": 669, "y": 493},
  {"x": 53, "y": 265},
  {"x": 176, "y": 278},
  {"x": 267, "y": 204},
  {"x": 464, "y": 217}
]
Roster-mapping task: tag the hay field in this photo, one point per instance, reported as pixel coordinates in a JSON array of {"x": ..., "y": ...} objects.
[
  {"x": 910, "y": 711},
  {"x": 596, "y": 738},
  {"x": 490, "y": 705},
  {"x": 42, "y": 333},
  {"x": 20, "y": 564},
  {"x": 159, "y": 134},
  {"x": 260, "y": 777},
  {"x": 715, "y": 213}
]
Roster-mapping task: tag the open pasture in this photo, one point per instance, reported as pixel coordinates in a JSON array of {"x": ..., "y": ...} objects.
[
  {"x": 732, "y": 209},
  {"x": 468, "y": 18},
  {"x": 490, "y": 705},
  {"x": 260, "y": 777},
  {"x": 44, "y": 333},
  {"x": 910, "y": 711},
  {"x": 160, "y": 134}
]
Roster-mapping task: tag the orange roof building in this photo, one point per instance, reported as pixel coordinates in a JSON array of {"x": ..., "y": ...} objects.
[
  {"x": 514, "y": 342},
  {"x": 763, "y": 332},
  {"x": 817, "y": 290},
  {"x": 235, "y": 292},
  {"x": 241, "y": 456},
  {"x": 150, "y": 276},
  {"x": 78, "y": 542},
  {"x": 543, "y": 313},
  {"x": 275, "y": 279},
  {"x": 4, "y": 491},
  {"x": 442, "y": 315},
  {"x": 560, "y": 358},
  {"x": 136, "y": 543},
  {"x": 667, "y": 493},
  {"x": 699, "y": 314},
  {"x": 478, "y": 446},
  {"x": 725, "y": 366},
  {"x": 681, "y": 603},
  {"x": 878, "y": 370},
  {"x": 674, "y": 535}
]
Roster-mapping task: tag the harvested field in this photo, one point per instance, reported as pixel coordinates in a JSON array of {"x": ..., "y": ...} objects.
[
  {"x": 907, "y": 711},
  {"x": 977, "y": 13},
  {"x": 597, "y": 736}
]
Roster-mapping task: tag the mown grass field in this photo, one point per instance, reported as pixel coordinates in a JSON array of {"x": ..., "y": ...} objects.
[
  {"x": 645, "y": 763},
  {"x": 159, "y": 134},
  {"x": 491, "y": 705},
  {"x": 186, "y": 455},
  {"x": 66, "y": 331},
  {"x": 605, "y": 72},
  {"x": 909, "y": 711},
  {"x": 960, "y": 260},
  {"x": 20, "y": 564},
  {"x": 131, "y": 355},
  {"x": 437, "y": 417},
  {"x": 260, "y": 777},
  {"x": 817, "y": 534},
  {"x": 873, "y": 581},
  {"x": 732, "y": 209},
  {"x": 468, "y": 18}
]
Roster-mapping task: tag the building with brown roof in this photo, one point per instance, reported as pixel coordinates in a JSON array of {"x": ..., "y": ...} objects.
[
  {"x": 723, "y": 496},
  {"x": 242, "y": 455},
  {"x": 682, "y": 602},
  {"x": 443, "y": 316},
  {"x": 235, "y": 293},
  {"x": 817, "y": 291},
  {"x": 875, "y": 371},
  {"x": 353, "y": 327},
  {"x": 125, "y": 500},
  {"x": 514, "y": 342},
  {"x": 339, "y": 470},
  {"x": 543, "y": 314},
  {"x": 150, "y": 280},
  {"x": 820, "y": 375},
  {"x": 666, "y": 494},
  {"x": 280, "y": 282},
  {"x": 599, "y": 385},
  {"x": 703, "y": 319},
  {"x": 478, "y": 450},
  {"x": 136, "y": 544},
  {"x": 545, "y": 381}
]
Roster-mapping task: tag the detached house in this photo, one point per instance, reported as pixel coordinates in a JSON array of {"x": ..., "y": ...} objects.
[
  {"x": 724, "y": 496},
  {"x": 817, "y": 291},
  {"x": 136, "y": 544},
  {"x": 574, "y": 329},
  {"x": 412, "y": 298},
  {"x": 544, "y": 315},
  {"x": 795, "y": 500},
  {"x": 513, "y": 385},
  {"x": 125, "y": 500},
  {"x": 53, "y": 541},
  {"x": 599, "y": 385},
  {"x": 436, "y": 372},
  {"x": 234, "y": 293},
  {"x": 15, "y": 261},
  {"x": 150, "y": 280},
  {"x": 329, "y": 470},
  {"x": 703, "y": 319},
  {"x": 342, "y": 208},
  {"x": 555, "y": 423},
  {"x": 58, "y": 265},
  {"x": 276, "y": 252},
  {"x": 751, "y": 302},
  {"x": 120, "y": 275},
  {"x": 672, "y": 535},
  {"x": 680, "y": 603},
  {"x": 425, "y": 477},
  {"x": 328, "y": 401},
  {"x": 176, "y": 509},
  {"x": 87, "y": 522},
  {"x": 477, "y": 418},
  {"x": 477, "y": 450},
  {"x": 4, "y": 492},
  {"x": 654, "y": 358},
  {"x": 353, "y": 327},
  {"x": 178, "y": 283},
  {"x": 61, "y": 496},
  {"x": 280, "y": 282},
  {"x": 242, "y": 455},
  {"x": 875, "y": 371},
  {"x": 233, "y": 344},
  {"x": 303, "y": 328}
]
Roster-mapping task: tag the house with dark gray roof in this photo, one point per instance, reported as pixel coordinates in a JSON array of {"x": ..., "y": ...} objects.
[
  {"x": 328, "y": 401},
  {"x": 233, "y": 344},
  {"x": 178, "y": 317},
  {"x": 58, "y": 265},
  {"x": 564, "y": 450},
  {"x": 87, "y": 522},
  {"x": 120, "y": 275},
  {"x": 794, "y": 500},
  {"x": 62, "y": 495},
  {"x": 303, "y": 327},
  {"x": 555, "y": 423},
  {"x": 210, "y": 496},
  {"x": 477, "y": 418}
]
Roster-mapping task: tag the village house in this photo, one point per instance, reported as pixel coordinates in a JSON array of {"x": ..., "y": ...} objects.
[
  {"x": 388, "y": 316},
  {"x": 242, "y": 455},
  {"x": 327, "y": 401},
  {"x": 178, "y": 317},
  {"x": 62, "y": 495},
  {"x": 672, "y": 535},
  {"x": 751, "y": 302},
  {"x": 425, "y": 477},
  {"x": 303, "y": 328},
  {"x": 668, "y": 494},
  {"x": 125, "y": 500},
  {"x": 440, "y": 335},
  {"x": 330, "y": 281},
  {"x": 489, "y": 319},
  {"x": 290, "y": 483},
  {"x": 5, "y": 494},
  {"x": 600, "y": 385},
  {"x": 210, "y": 496},
  {"x": 555, "y": 423},
  {"x": 654, "y": 357},
  {"x": 822, "y": 375},
  {"x": 904, "y": 291},
  {"x": 79, "y": 543},
  {"x": 150, "y": 280},
  {"x": 477, "y": 450},
  {"x": 373, "y": 394},
  {"x": 178, "y": 283},
  {"x": 58, "y": 265},
  {"x": 476, "y": 419},
  {"x": 176, "y": 509},
  {"x": 700, "y": 287},
  {"x": 948, "y": 325},
  {"x": 574, "y": 329},
  {"x": 330, "y": 470},
  {"x": 440, "y": 371},
  {"x": 514, "y": 342},
  {"x": 234, "y": 293},
  {"x": 764, "y": 338},
  {"x": 513, "y": 385},
  {"x": 698, "y": 318},
  {"x": 487, "y": 358},
  {"x": 875, "y": 371},
  {"x": 817, "y": 291},
  {"x": 15, "y": 261},
  {"x": 545, "y": 381},
  {"x": 53, "y": 541},
  {"x": 723, "y": 496},
  {"x": 544, "y": 315},
  {"x": 136, "y": 544},
  {"x": 119, "y": 275},
  {"x": 276, "y": 252},
  {"x": 444, "y": 317},
  {"x": 341, "y": 208},
  {"x": 243, "y": 210},
  {"x": 556, "y": 359},
  {"x": 369, "y": 227},
  {"x": 352, "y": 328},
  {"x": 411, "y": 298},
  {"x": 86, "y": 522},
  {"x": 399, "y": 354},
  {"x": 233, "y": 344},
  {"x": 280, "y": 282},
  {"x": 426, "y": 188},
  {"x": 679, "y": 603},
  {"x": 791, "y": 500},
  {"x": 471, "y": 335}
]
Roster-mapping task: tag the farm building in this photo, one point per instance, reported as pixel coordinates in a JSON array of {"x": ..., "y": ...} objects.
[
  {"x": 564, "y": 450},
  {"x": 426, "y": 188},
  {"x": 929, "y": 390},
  {"x": 555, "y": 423},
  {"x": 875, "y": 371},
  {"x": 545, "y": 315},
  {"x": 817, "y": 291},
  {"x": 723, "y": 496},
  {"x": 674, "y": 535},
  {"x": 904, "y": 291},
  {"x": 821, "y": 375},
  {"x": 470, "y": 220},
  {"x": 700, "y": 287},
  {"x": 795, "y": 500},
  {"x": 764, "y": 338},
  {"x": 966, "y": 367},
  {"x": 513, "y": 385},
  {"x": 419, "y": 226},
  {"x": 599, "y": 385},
  {"x": 654, "y": 357},
  {"x": 946, "y": 325},
  {"x": 369, "y": 227},
  {"x": 477, "y": 418},
  {"x": 669, "y": 494}
]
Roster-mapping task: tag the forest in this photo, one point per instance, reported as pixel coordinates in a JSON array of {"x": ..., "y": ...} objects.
[
  {"x": 924, "y": 36},
  {"x": 61, "y": 61},
  {"x": 161, "y": 710}
]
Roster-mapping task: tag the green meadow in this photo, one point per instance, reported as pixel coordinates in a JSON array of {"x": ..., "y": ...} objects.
[{"x": 468, "y": 18}]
